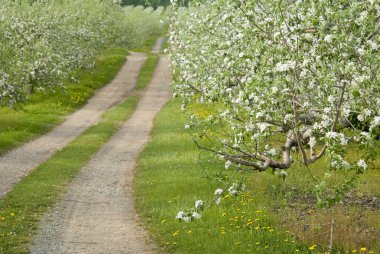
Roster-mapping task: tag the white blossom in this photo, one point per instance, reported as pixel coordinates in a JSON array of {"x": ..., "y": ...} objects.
[
  {"x": 362, "y": 164},
  {"x": 198, "y": 204},
  {"x": 218, "y": 192}
]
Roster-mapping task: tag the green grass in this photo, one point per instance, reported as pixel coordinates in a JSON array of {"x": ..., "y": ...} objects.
[
  {"x": 170, "y": 178},
  {"x": 41, "y": 112},
  {"x": 172, "y": 173},
  {"x": 147, "y": 71},
  {"x": 22, "y": 208}
]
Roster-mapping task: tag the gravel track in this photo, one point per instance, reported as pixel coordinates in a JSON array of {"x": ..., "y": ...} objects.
[
  {"x": 21, "y": 161},
  {"x": 97, "y": 215},
  {"x": 157, "y": 47}
]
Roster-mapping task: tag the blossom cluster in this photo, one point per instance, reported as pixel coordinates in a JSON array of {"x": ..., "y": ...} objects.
[
  {"x": 283, "y": 80},
  {"x": 188, "y": 215}
]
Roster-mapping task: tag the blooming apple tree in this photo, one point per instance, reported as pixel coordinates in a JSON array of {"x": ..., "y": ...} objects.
[{"x": 281, "y": 80}]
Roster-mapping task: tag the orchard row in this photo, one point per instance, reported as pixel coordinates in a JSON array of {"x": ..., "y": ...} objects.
[{"x": 43, "y": 42}]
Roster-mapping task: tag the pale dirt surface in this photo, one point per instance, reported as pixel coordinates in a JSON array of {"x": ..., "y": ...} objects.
[
  {"x": 157, "y": 47},
  {"x": 21, "y": 161},
  {"x": 97, "y": 214}
]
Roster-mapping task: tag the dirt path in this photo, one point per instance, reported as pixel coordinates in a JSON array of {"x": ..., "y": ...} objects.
[
  {"x": 21, "y": 161},
  {"x": 97, "y": 213},
  {"x": 157, "y": 47}
]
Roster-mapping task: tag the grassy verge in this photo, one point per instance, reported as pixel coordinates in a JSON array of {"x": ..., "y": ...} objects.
[
  {"x": 169, "y": 179},
  {"x": 147, "y": 71},
  {"x": 270, "y": 218},
  {"x": 22, "y": 208},
  {"x": 41, "y": 112}
]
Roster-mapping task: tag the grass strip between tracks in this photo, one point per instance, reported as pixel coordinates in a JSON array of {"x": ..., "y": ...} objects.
[{"x": 147, "y": 71}]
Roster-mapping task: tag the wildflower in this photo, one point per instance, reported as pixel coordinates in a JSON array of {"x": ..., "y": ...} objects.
[
  {"x": 363, "y": 249},
  {"x": 187, "y": 126},
  {"x": 12, "y": 214},
  {"x": 354, "y": 251},
  {"x": 312, "y": 247}
]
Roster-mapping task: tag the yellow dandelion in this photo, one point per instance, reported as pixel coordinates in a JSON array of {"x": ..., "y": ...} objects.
[
  {"x": 167, "y": 243},
  {"x": 12, "y": 214},
  {"x": 257, "y": 243},
  {"x": 176, "y": 233},
  {"x": 363, "y": 249},
  {"x": 259, "y": 211},
  {"x": 354, "y": 251},
  {"x": 163, "y": 221},
  {"x": 174, "y": 243},
  {"x": 2, "y": 218},
  {"x": 189, "y": 232},
  {"x": 312, "y": 247}
]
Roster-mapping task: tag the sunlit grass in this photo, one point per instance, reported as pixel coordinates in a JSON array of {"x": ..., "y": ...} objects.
[
  {"x": 170, "y": 178},
  {"x": 274, "y": 216},
  {"x": 147, "y": 71}
]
